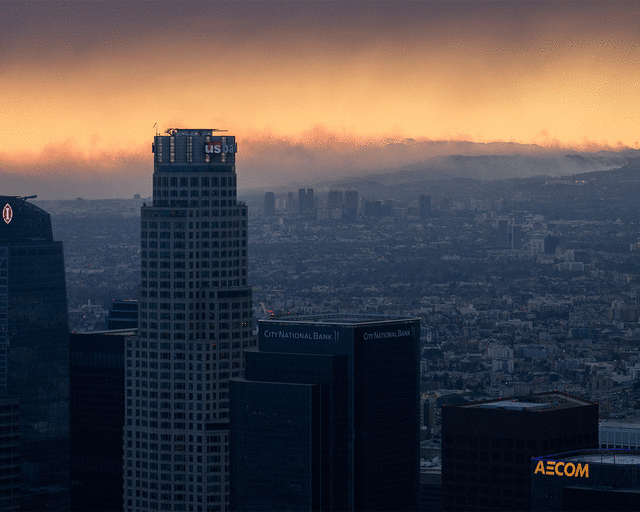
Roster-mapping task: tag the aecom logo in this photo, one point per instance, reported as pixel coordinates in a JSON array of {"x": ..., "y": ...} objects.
[
  {"x": 562, "y": 469},
  {"x": 216, "y": 148}
]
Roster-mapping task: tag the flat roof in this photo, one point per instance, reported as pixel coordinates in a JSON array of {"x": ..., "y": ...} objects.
[
  {"x": 619, "y": 457},
  {"x": 541, "y": 402},
  {"x": 339, "y": 319}
]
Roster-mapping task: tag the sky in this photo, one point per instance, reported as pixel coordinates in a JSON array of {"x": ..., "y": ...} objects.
[{"x": 310, "y": 90}]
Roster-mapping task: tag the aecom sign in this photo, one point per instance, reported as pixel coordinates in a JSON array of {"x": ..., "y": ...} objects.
[{"x": 562, "y": 469}]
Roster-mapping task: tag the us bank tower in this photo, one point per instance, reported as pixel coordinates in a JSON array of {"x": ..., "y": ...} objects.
[{"x": 195, "y": 321}]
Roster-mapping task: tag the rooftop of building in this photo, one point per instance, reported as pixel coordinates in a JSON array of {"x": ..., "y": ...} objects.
[
  {"x": 339, "y": 319},
  {"x": 539, "y": 402},
  {"x": 181, "y": 132},
  {"x": 621, "y": 457}
]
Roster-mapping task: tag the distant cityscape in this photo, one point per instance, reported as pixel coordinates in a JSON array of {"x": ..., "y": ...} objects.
[{"x": 522, "y": 287}]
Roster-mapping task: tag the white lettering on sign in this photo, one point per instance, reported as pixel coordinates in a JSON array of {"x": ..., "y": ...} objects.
[
  {"x": 400, "y": 333},
  {"x": 215, "y": 148},
  {"x": 299, "y": 335}
]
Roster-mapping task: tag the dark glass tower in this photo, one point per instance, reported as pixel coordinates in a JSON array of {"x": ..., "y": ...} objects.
[
  {"x": 327, "y": 416},
  {"x": 97, "y": 418},
  {"x": 34, "y": 350}
]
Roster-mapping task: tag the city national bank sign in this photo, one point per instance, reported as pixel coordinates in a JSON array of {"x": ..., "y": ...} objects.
[
  {"x": 562, "y": 469},
  {"x": 293, "y": 335},
  {"x": 400, "y": 333}
]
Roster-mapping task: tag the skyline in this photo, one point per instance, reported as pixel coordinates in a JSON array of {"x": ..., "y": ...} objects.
[{"x": 310, "y": 89}]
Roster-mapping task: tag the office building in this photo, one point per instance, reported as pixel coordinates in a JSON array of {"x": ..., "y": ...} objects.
[
  {"x": 96, "y": 390},
  {"x": 123, "y": 314},
  {"x": 269, "y": 204},
  {"x": 619, "y": 435},
  {"x": 586, "y": 480},
  {"x": 487, "y": 446},
  {"x": 34, "y": 350},
  {"x": 425, "y": 207},
  {"x": 351, "y": 205},
  {"x": 503, "y": 233},
  {"x": 9, "y": 453},
  {"x": 195, "y": 322},
  {"x": 327, "y": 416}
]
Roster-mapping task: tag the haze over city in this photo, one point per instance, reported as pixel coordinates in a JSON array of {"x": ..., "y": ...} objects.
[{"x": 312, "y": 90}]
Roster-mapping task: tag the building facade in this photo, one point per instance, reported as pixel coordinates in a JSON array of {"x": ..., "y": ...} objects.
[
  {"x": 34, "y": 350},
  {"x": 487, "y": 446},
  {"x": 123, "y": 314},
  {"x": 586, "y": 480},
  {"x": 96, "y": 390},
  {"x": 327, "y": 416},
  {"x": 195, "y": 322}
]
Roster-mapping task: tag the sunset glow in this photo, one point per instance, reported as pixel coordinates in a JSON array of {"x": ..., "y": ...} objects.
[{"x": 85, "y": 83}]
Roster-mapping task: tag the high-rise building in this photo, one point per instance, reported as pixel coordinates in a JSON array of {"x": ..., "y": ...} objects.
[
  {"x": 503, "y": 233},
  {"x": 123, "y": 314},
  {"x": 269, "y": 204},
  {"x": 302, "y": 201},
  {"x": 351, "y": 205},
  {"x": 9, "y": 453},
  {"x": 96, "y": 417},
  {"x": 487, "y": 446},
  {"x": 327, "y": 416},
  {"x": 425, "y": 206},
  {"x": 195, "y": 322},
  {"x": 34, "y": 350}
]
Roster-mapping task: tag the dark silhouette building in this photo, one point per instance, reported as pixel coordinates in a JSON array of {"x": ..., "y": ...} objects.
[
  {"x": 97, "y": 399},
  {"x": 425, "y": 207},
  {"x": 269, "y": 204},
  {"x": 34, "y": 350},
  {"x": 9, "y": 453},
  {"x": 351, "y": 205},
  {"x": 487, "y": 446},
  {"x": 327, "y": 416},
  {"x": 123, "y": 314}
]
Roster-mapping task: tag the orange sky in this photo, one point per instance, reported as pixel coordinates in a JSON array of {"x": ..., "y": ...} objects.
[{"x": 83, "y": 83}]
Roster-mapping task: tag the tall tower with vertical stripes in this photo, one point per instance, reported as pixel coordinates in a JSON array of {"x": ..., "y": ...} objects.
[{"x": 195, "y": 321}]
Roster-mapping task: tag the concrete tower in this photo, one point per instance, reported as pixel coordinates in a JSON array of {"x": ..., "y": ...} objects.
[{"x": 195, "y": 322}]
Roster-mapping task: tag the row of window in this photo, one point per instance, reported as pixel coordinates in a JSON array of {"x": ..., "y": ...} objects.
[
  {"x": 194, "y": 181},
  {"x": 195, "y": 193},
  {"x": 182, "y": 255},
  {"x": 193, "y": 234},
  {"x": 198, "y": 225},
  {"x": 195, "y": 203}
]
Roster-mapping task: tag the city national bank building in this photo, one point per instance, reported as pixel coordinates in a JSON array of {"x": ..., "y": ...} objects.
[{"x": 327, "y": 416}]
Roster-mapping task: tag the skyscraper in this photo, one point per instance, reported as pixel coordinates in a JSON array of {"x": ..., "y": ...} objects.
[
  {"x": 34, "y": 350},
  {"x": 269, "y": 204},
  {"x": 97, "y": 416},
  {"x": 425, "y": 206},
  {"x": 195, "y": 321},
  {"x": 487, "y": 446},
  {"x": 351, "y": 205},
  {"x": 327, "y": 416}
]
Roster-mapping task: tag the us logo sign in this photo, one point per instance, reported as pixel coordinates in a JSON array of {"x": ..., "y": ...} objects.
[{"x": 7, "y": 213}]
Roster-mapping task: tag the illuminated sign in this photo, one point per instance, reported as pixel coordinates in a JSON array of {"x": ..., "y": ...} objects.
[
  {"x": 7, "y": 213},
  {"x": 562, "y": 469},
  {"x": 215, "y": 148},
  {"x": 400, "y": 333},
  {"x": 302, "y": 335}
]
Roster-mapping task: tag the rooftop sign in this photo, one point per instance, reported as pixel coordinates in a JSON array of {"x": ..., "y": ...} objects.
[
  {"x": 215, "y": 148},
  {"x": 7, "y": 213},
  {"x": 562, "y": 469}
]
